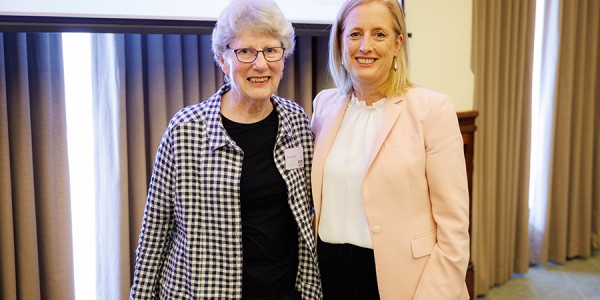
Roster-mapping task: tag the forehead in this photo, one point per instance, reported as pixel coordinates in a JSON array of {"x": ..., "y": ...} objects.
[
  {"x": 253, "y": 39},
  {"x": 369, "y": 15}
]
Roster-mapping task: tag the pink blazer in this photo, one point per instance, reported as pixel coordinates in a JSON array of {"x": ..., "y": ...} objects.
[{"x": 415, "y": 193}]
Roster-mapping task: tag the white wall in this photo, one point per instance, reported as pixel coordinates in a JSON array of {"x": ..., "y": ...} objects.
[
  {"x": 313, "y": 11},
  {"x": 440, "y": 47}
]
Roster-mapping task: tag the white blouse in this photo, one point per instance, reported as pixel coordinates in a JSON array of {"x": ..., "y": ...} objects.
[{"x": 343, "y": 218}]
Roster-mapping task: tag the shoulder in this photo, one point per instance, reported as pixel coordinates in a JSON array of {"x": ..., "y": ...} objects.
[
  {"x": 198, "y": 113},
  {"x": 328, "y": 98},
  {"x": 432, "y": 109},
  {"x": 291, "y": 114},
  {"x": 427, "y": 101},
  {"x": 288, "y": 106},
  {"x": 424, "y": 94},
  {"x": 293, "y": 118},
  {"x": 327, "y": 94}
]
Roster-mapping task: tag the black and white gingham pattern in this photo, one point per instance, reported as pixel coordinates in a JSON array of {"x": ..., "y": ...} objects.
[{"x": 190, "y": 245}]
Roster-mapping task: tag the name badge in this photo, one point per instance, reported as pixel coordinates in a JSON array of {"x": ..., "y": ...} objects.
[{"x": 294, "y": 158}]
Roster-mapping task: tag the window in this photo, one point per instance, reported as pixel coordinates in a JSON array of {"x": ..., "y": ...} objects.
[
  {"x": 542, "y": 106},
  {"x": 80, "y": 134}
]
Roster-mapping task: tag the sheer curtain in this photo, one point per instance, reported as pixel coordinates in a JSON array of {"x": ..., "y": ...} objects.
[
  {"x": 35, "y": 216},
  {"x": 503, "y": 32},
  {"x": 544, "y": 79},
  {"x": 141, "y": 82}
]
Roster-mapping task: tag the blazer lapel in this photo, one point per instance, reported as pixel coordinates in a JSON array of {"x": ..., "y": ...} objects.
[
  {"x": 391, "y": 113},
  {"x": 330, "y": 121},
  {"x": 327, "y": 134}
]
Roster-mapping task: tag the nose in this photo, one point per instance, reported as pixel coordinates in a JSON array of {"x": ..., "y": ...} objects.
[
  {"x": 365, "y": 45},
  {"x": 260, "y": 62}
]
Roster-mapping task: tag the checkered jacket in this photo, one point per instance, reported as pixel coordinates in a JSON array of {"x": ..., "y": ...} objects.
[{"x": 190, "y": 245}]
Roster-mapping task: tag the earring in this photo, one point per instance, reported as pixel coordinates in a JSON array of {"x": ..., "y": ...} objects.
[
  {"x": 395, "y": 64},
  {"x": 226, "y": 79}
]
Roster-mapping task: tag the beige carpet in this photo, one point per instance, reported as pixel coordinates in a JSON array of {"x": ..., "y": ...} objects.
[{"x": 576, "y": 279}]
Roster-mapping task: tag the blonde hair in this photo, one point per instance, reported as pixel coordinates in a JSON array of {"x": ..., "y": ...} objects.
[
  {"x": 398, "y": 82},
  {"x": 260, "y": 16}
]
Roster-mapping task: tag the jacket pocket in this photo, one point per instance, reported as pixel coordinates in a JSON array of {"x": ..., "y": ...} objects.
[{"x": 423, "y": 244}]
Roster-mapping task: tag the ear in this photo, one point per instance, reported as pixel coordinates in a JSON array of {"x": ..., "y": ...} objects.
[
  {"x": 223, "y": 64},
  {"x": 399, "y": 42}
]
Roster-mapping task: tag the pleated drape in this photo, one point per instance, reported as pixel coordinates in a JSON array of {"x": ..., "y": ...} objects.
[
  {"x": 306, "y": 72},
  {"x": 574, "y": 198},
  {"x": 502, "y": 61},
  {"x": 36, "y": 256},
  {"x": 141, "y": 82}
]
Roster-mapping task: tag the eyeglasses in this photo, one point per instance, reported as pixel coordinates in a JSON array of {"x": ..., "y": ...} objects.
[{"x": 248, "y": 55}]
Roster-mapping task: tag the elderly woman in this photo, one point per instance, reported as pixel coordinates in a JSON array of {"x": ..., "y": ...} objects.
[
  {"x": 228, "y": 213},
  {"x": 389, "y": 179}
]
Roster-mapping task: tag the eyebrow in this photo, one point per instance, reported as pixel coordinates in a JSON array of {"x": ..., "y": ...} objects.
[{"x": 375, "y": 28}]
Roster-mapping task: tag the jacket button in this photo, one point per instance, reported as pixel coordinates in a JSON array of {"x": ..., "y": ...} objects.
[{"x": 376, "y": 229}]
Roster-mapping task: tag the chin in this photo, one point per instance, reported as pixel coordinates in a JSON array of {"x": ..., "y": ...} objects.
[{"x": 261, "y": 95}]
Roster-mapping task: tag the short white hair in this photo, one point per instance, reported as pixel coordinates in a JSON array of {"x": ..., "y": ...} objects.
[{"x": 260, "y": 16}]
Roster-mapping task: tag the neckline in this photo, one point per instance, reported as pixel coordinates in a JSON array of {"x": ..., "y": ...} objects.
[
  {"x": 377, "y": 105},
  {"x": 272, "y": 116}
]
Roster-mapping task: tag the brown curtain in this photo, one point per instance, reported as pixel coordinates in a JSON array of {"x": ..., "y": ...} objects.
[
  {"x": 36, "y": 256},
  {"x": 153, "y": 77},
  {"x": 306, "y": 72},
  {"x": 141, "y": 81},
  {"x": 574, "y": 201},
  {"x": 502, "y": 60}
]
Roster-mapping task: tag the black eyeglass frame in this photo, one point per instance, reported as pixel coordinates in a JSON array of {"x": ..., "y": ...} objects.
[{"x": 235, "y": 51}]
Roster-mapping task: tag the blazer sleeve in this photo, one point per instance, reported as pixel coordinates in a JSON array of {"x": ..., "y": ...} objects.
[{"x": 444, "y": 274}]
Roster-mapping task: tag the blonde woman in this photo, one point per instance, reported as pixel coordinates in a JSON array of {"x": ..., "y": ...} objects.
[{"x": 389, "y": 179}]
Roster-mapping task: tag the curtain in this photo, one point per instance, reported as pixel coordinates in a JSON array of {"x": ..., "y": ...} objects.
[
  {"x": 35, "y": 217},
  {"x": 141, "y": 81},
  {"x": 544, "y": 79},
  {"x": 502, "y": 57},
  {"x": 306, "y": 71},
  {"x": 574, "y": 201}
]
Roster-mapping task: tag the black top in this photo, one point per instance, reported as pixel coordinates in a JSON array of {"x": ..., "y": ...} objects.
[{"x": 269, "y": 232}]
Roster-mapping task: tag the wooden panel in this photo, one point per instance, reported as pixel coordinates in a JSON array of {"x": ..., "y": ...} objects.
[{"x": 466, "y": 120}]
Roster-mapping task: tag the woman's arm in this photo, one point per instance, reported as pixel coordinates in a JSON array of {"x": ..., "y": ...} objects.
[
  {"x": 444, "y": 275},
  {"x": 157, "y": 227}
]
